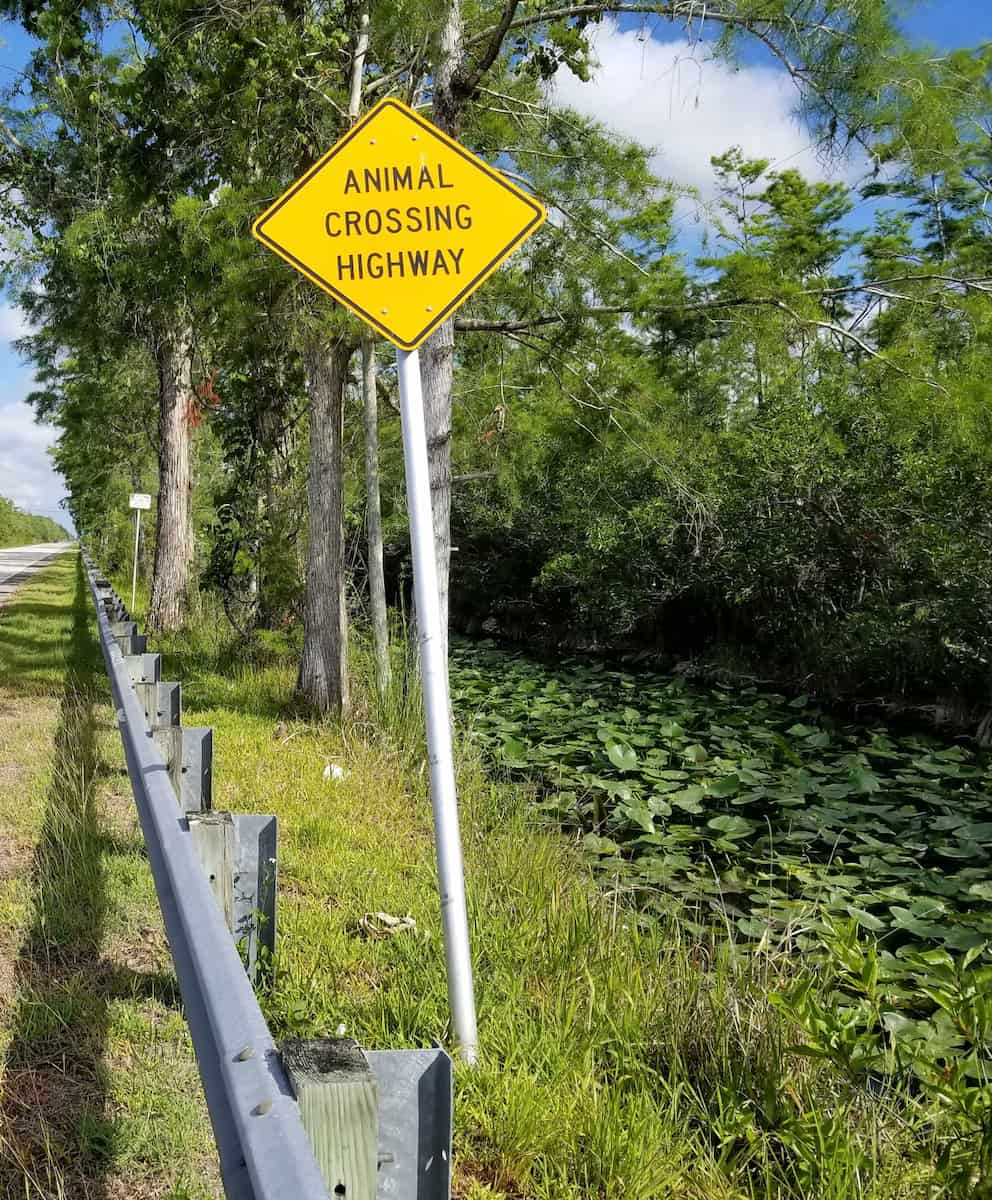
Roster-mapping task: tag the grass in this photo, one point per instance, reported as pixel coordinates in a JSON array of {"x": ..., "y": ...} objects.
[
  {"x": 620, "y": 1059},
  {"x": 99, "y": 1095}
]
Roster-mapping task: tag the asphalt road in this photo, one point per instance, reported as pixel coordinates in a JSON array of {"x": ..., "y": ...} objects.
[{"x": 20, "y": 562}]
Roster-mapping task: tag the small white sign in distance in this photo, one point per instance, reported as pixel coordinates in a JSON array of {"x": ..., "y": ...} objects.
[{"x": 140, "y": 500}]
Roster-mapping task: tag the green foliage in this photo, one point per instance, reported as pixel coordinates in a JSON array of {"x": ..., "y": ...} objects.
[
  {"x": 766, "y": 478},
  {"x": 850, "y": 1017},
  {"x": 763, "y": 814},
  {"x": 22, "y": 529},
  {"x": 621, "y": 1057}
]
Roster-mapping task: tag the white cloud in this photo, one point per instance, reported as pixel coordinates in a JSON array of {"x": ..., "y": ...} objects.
[
  {"x": 27, "y": 476},
  {"x": 13, "y": 323},
  {"x": 670, "y": 97}
]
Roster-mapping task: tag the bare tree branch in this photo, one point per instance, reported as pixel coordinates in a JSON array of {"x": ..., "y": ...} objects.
[
  {"x": 468, "y": 76},
  {"x": 675, "y": 9},
  {"x": 482, "y": 325}
]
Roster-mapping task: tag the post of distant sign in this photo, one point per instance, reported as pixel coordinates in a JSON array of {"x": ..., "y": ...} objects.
[
  {"x": 401, "y": 224},
  {"x": 140, "y": 502}
]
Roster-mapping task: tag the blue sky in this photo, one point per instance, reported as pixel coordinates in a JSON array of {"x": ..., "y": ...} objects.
[
  {"x": 950, "y": 23},
  {"x": 652, "y": 85}
]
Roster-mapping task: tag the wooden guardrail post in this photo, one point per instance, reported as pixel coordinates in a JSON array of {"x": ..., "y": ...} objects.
[
  {"x": 189, "y": 755},
  {"x": 238, "y": 853},
  {"x": 339, "y": 1105}
]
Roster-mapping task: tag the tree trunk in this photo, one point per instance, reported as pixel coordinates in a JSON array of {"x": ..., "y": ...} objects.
[
  {"x": 436, "y": 374},
  {"x": 173, "y": 528},
  {"x": 377, "y": 577},
  {"x": 358, "y": 61},
  {"x": 437, "y": 355},
  {"x": 323, "y": 678}
]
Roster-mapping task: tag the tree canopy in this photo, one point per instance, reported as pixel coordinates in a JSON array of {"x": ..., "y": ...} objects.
[
  {"x": 23, "y": 529},
  {"x": 776, "y": 445}
]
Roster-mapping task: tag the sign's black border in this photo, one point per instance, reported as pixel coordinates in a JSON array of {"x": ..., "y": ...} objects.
[{"x": 437, "y": 318}]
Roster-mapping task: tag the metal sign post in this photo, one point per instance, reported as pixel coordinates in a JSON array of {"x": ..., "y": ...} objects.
[
  {"x": 401, "y": 224},
  {"x": 139, "y": 502},
  {"x": 434, "y": 674},
  {"x": 134, "y": 568}
]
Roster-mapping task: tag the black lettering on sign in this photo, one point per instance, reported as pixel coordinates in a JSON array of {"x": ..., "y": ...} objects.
[
  {"x": 395, "y": 264},
  {"x": 432, "y": 217},
  {"x": 441, "y": 263},
  {"x": 395, "y": 179}
]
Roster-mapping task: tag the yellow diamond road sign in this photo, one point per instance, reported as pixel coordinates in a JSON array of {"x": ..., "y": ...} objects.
[{"x": 399, "y": 223}]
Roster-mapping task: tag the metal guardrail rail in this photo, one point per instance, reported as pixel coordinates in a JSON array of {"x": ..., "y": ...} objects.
[{"x": 265, "y": 1151}]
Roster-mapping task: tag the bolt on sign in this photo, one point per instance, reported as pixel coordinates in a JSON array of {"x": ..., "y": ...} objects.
[{"x": 399, "y": 223}]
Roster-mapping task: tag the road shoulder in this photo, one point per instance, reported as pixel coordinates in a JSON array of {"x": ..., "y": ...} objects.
[{"x": 99, "y": 1094}]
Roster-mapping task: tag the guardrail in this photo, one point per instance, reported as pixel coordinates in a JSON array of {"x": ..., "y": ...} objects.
[{"x": 310, "y": 1119}]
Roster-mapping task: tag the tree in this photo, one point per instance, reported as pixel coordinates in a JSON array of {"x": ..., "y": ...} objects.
[
  {"x": 838, "y": 59},
  {"x": 106, "y": 256},
  {"x": 377, "y": 581}
]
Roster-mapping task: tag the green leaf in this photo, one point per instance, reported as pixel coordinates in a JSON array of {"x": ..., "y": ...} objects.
[
  {"x": 514, "y": 752},
  {"x": 689, "y": 799},
  {"x": 866, "y": 920},
  {"x": 622, "y": 755},
  {"x": 594, "y": 844},
  {"x": 732, "y": 826},
  {"x": 865, "y": 780}
]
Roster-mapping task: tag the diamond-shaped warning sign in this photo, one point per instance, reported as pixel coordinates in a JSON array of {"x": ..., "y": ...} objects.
[{"x": 399, "y": 223}]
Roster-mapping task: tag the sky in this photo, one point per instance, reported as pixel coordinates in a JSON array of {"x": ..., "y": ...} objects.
[{"x": 651, "y": 85}]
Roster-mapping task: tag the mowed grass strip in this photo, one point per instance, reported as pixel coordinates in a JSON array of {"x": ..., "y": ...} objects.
[
  {"x": 99, "y": 1093},
  {"x": 620, "y": 1060}
]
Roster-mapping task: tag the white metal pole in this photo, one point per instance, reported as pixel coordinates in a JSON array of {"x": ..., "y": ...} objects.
[
  {"x": 434, "y": 672},
  {"x": 134, "y": 571}
]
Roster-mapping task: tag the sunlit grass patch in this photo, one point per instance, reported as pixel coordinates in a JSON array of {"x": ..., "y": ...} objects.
[
  {"x": 99, "y": 1092},
  {"x": 622, "y": 1058}
]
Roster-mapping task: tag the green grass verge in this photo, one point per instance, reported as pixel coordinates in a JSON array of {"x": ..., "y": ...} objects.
[
  {"x": 99, "y": 1095},
  {"x": 619, "y": 1059}
]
